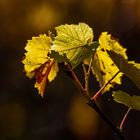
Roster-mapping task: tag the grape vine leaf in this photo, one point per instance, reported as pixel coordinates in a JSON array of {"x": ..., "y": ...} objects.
[
  {"x": 103, "y": 67},
  {"x": 129, "y": 68},
  {"x": 74, "y": 41},
  {"x": 37, "y": 63},
  {"x": 130, "y": 101}
]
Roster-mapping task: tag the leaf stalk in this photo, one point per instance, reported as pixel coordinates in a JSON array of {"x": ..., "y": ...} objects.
[
  {"x": 124, "y": 118},
  {"x": 99, "y": 93}
]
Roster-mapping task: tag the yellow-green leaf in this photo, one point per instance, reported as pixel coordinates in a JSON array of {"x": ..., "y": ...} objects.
[
  {"x": 103, "y": 67},
  {"x": 130, "y": 101},
  {"x": 129, "y": 68},
  {"x": 37, "y": 63},
  {"x": 74, "y": 41}
]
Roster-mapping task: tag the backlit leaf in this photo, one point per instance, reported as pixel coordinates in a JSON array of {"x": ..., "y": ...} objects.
[
  {"x": 129, "y": 68},
  {"x": 38, "y": 64},
  {"x": 130, "y": 101},
  {"x": 75, "y": 41},
  {"x": 103, "y": 67}
]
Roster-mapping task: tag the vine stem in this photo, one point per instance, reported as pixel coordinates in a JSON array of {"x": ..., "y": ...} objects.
[
  {"x": 115, "y": 129},
  {"x": 75, "y": 77},
  {"x": 99, "y": 93},
  {"x": 87, "y": 74},
  {"x": 93, "y": 105},
  {"x": 124, "y": 118}
]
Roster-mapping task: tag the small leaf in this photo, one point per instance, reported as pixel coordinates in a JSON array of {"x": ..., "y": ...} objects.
[
  {"x": 103, "y": 67},
  {"x": 129, "y": 68},
  {"x": 60, "y": 58},
  {"x": 94, "y": 45},
  {"x": 130, "y": 101},
  {"x": 74, "y": 41},
  {"x": 38, "y": 64}
]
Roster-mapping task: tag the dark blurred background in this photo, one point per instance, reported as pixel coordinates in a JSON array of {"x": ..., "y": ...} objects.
[{"x": 62, "y": 114}]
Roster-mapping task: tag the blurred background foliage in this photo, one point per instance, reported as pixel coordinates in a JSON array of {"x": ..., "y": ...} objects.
[{"x": 63, "y": 113}]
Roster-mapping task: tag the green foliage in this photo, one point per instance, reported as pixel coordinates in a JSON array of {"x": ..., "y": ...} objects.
[
  {"x": 74, "y": 44},
  {"x": 74, "y": 41},
  {"x": 132, "y": 102},
  {"x": 60, "y": 58}
]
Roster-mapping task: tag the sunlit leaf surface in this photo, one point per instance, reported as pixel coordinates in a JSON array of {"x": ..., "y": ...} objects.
[
  {"x": 74, "y": 41},
  {"x": 37, "y": 63},
  {"x": 103, "y": 67}
]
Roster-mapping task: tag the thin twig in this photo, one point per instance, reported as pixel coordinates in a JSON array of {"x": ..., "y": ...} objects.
[
  {"x": 86, "y": 80},
  {"x": 84, "y": 68},
  {"x": 87, "y": 74},
  {"x": 124, "y": 118},
  {"x": 75, "y": 77},
  {"x": 103, "y": 87},
  {"x": 90, "y": 64},
  {"x": 91, "y": 103}
]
